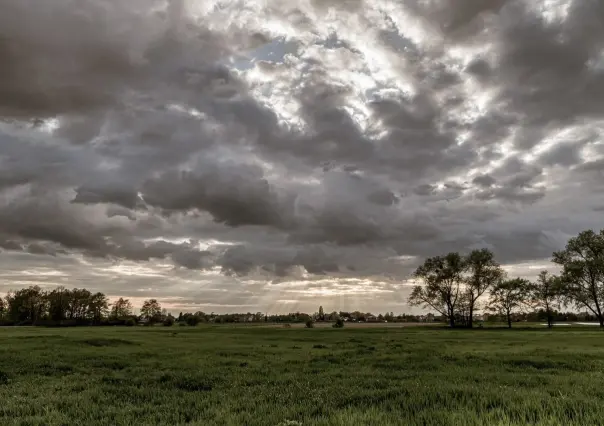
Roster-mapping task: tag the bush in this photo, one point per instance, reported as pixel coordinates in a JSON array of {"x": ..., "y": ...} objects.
[
  {"x": 182, "y": 323},
  {"x": 169, "y": 321},
  {"x": 287, "y": 326},
  {"x": 310, "y": 324},
  {"x": 339, "y": 323},
  {"x": 193, "y": 320},
  {"x": 130, "y": 322}
]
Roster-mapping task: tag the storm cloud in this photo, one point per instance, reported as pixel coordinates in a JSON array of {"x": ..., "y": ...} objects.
[{"x": 274, "y": 148}]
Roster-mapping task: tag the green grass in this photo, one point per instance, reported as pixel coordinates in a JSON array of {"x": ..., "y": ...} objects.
[{"x": 264, "y": 376}]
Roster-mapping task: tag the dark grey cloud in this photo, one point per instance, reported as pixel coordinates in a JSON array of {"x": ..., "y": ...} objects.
[{"x": 285, "y": 145}]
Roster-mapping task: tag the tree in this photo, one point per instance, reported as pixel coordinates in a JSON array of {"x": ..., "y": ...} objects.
[
  {"x": 582, "y": 277},
  {"x": 483, "y": 274},
  {"x": 151, "y": 310},
  {"x": 443, "y": 279},
  {"x": 26, "y": 305},
  {"x": 2, "y": 308},
  {"x": 339, "y": 323},
  {"x": 58, "y": 301},
  {"x": 321, "y": 314},
  {"x": 508, "y": 296},
  {"x": 122, "y": 308},
  {"x": 78, "y": 304},
  {"x": 545, "y": 294},
  {"x": 98, "y": 307}
]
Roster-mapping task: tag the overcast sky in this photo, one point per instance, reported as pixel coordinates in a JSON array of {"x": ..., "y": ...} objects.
[{"x": 276, "y": 155}]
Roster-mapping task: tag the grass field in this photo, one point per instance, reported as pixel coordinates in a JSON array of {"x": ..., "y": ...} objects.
[{"x": 268, "y": 376}]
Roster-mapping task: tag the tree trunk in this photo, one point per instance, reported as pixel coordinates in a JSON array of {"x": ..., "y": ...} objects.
[
  {"x": 599, "y": 312},
  {"x": 550, "y": 322},
  {"x": 509, "y": 315},
  {"x": 471, "y": 317},
  {"x": 451, "y": 312}
]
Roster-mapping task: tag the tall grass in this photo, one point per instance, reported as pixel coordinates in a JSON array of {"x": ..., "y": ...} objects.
[{"x": 256, "y": 376}]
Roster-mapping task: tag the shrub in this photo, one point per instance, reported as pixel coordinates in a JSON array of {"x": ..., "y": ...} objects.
[
  {"x": 287, "y": 326},
  {"x": 130, "y": 322},
  {"x": 182, "y": 323},
  {"x": 169, "y": 321},
  {"x": 310, "y": 324},
  {"x": 193, "y": 320},
  {"x": 339, "y": 323}
]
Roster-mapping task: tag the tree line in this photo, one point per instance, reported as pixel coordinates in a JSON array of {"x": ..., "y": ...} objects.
[
  {"x": 61, "y": 306},
  {"x": 455, "y": 285}
]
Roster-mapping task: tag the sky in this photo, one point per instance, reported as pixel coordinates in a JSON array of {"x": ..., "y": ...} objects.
[{"x": 275, "y": 156}]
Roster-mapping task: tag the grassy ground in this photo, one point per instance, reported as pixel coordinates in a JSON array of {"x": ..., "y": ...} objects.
[{"x": 262, "y": 376}]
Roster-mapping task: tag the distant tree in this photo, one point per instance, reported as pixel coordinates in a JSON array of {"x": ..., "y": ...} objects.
[
  {"x": 121, "y": 308},
  {"x": 582, "y": 277},
  {"x": 78, "y": 304},
  {"x": 443, "y": 279},
  {"x": 58, "y": 302},
  {"x": 321, "y": 314},
  {"x": 98, "y": 307},
  {"x": 169, "y": 321},
  {"x": 309, "y": 324},
  {"x": 2, "y": 308},
  {"x": 192, "y": 320},
  {"x": 545, "y": 293},
  {"x": 180, "y": 317},
  {"x": 151, "y": 310},
  {"x": 27, "y": 305},
  {"x": 483, "y": 273},
  {"x": 508, "y": 296}
]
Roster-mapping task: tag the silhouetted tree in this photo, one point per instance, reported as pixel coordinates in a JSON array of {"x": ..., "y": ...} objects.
[
  {"x": 508, "y": 296},
  {"x": 545, "y": 293},
  {"x": 582, "y": 278},
  {"x": 121, "y": 308},
  {"x": 26, "y": 305},
  {"x": 151, "y": 310},
  {"x": 483, "y": 273},
  {"x": 321, "y": 314},
  {"x": 98, "y": 307},
  {"x": 443, "y": 279},
  {"x": 58, "y": 302}
]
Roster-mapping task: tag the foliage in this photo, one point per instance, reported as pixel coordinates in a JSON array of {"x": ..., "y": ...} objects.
[
  {"x": 443, "y": 278},
  {"x": 151, "y": 311},
  {"x": 582, "y": 278},
  {"x": 339, "y": 323},
  {"x": 509, "y": 296},
  {"x": 483, "y": 274},
  {"x": 169, "y": 321},
  {"x": 256, "y": 376},
  {"x": 122, "y": 308},
  {"x": 309, "y": 324},
  {"x": 32, "y": 305},
  {"x": 192, "y": 320},
  {"x": 545, "y": 293}
]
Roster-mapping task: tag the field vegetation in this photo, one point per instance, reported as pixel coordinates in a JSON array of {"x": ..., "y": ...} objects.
[{"x": 241, "y": 375}]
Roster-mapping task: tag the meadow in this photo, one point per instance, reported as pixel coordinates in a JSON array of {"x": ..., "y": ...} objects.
[{"x": 221, "y": 375}]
